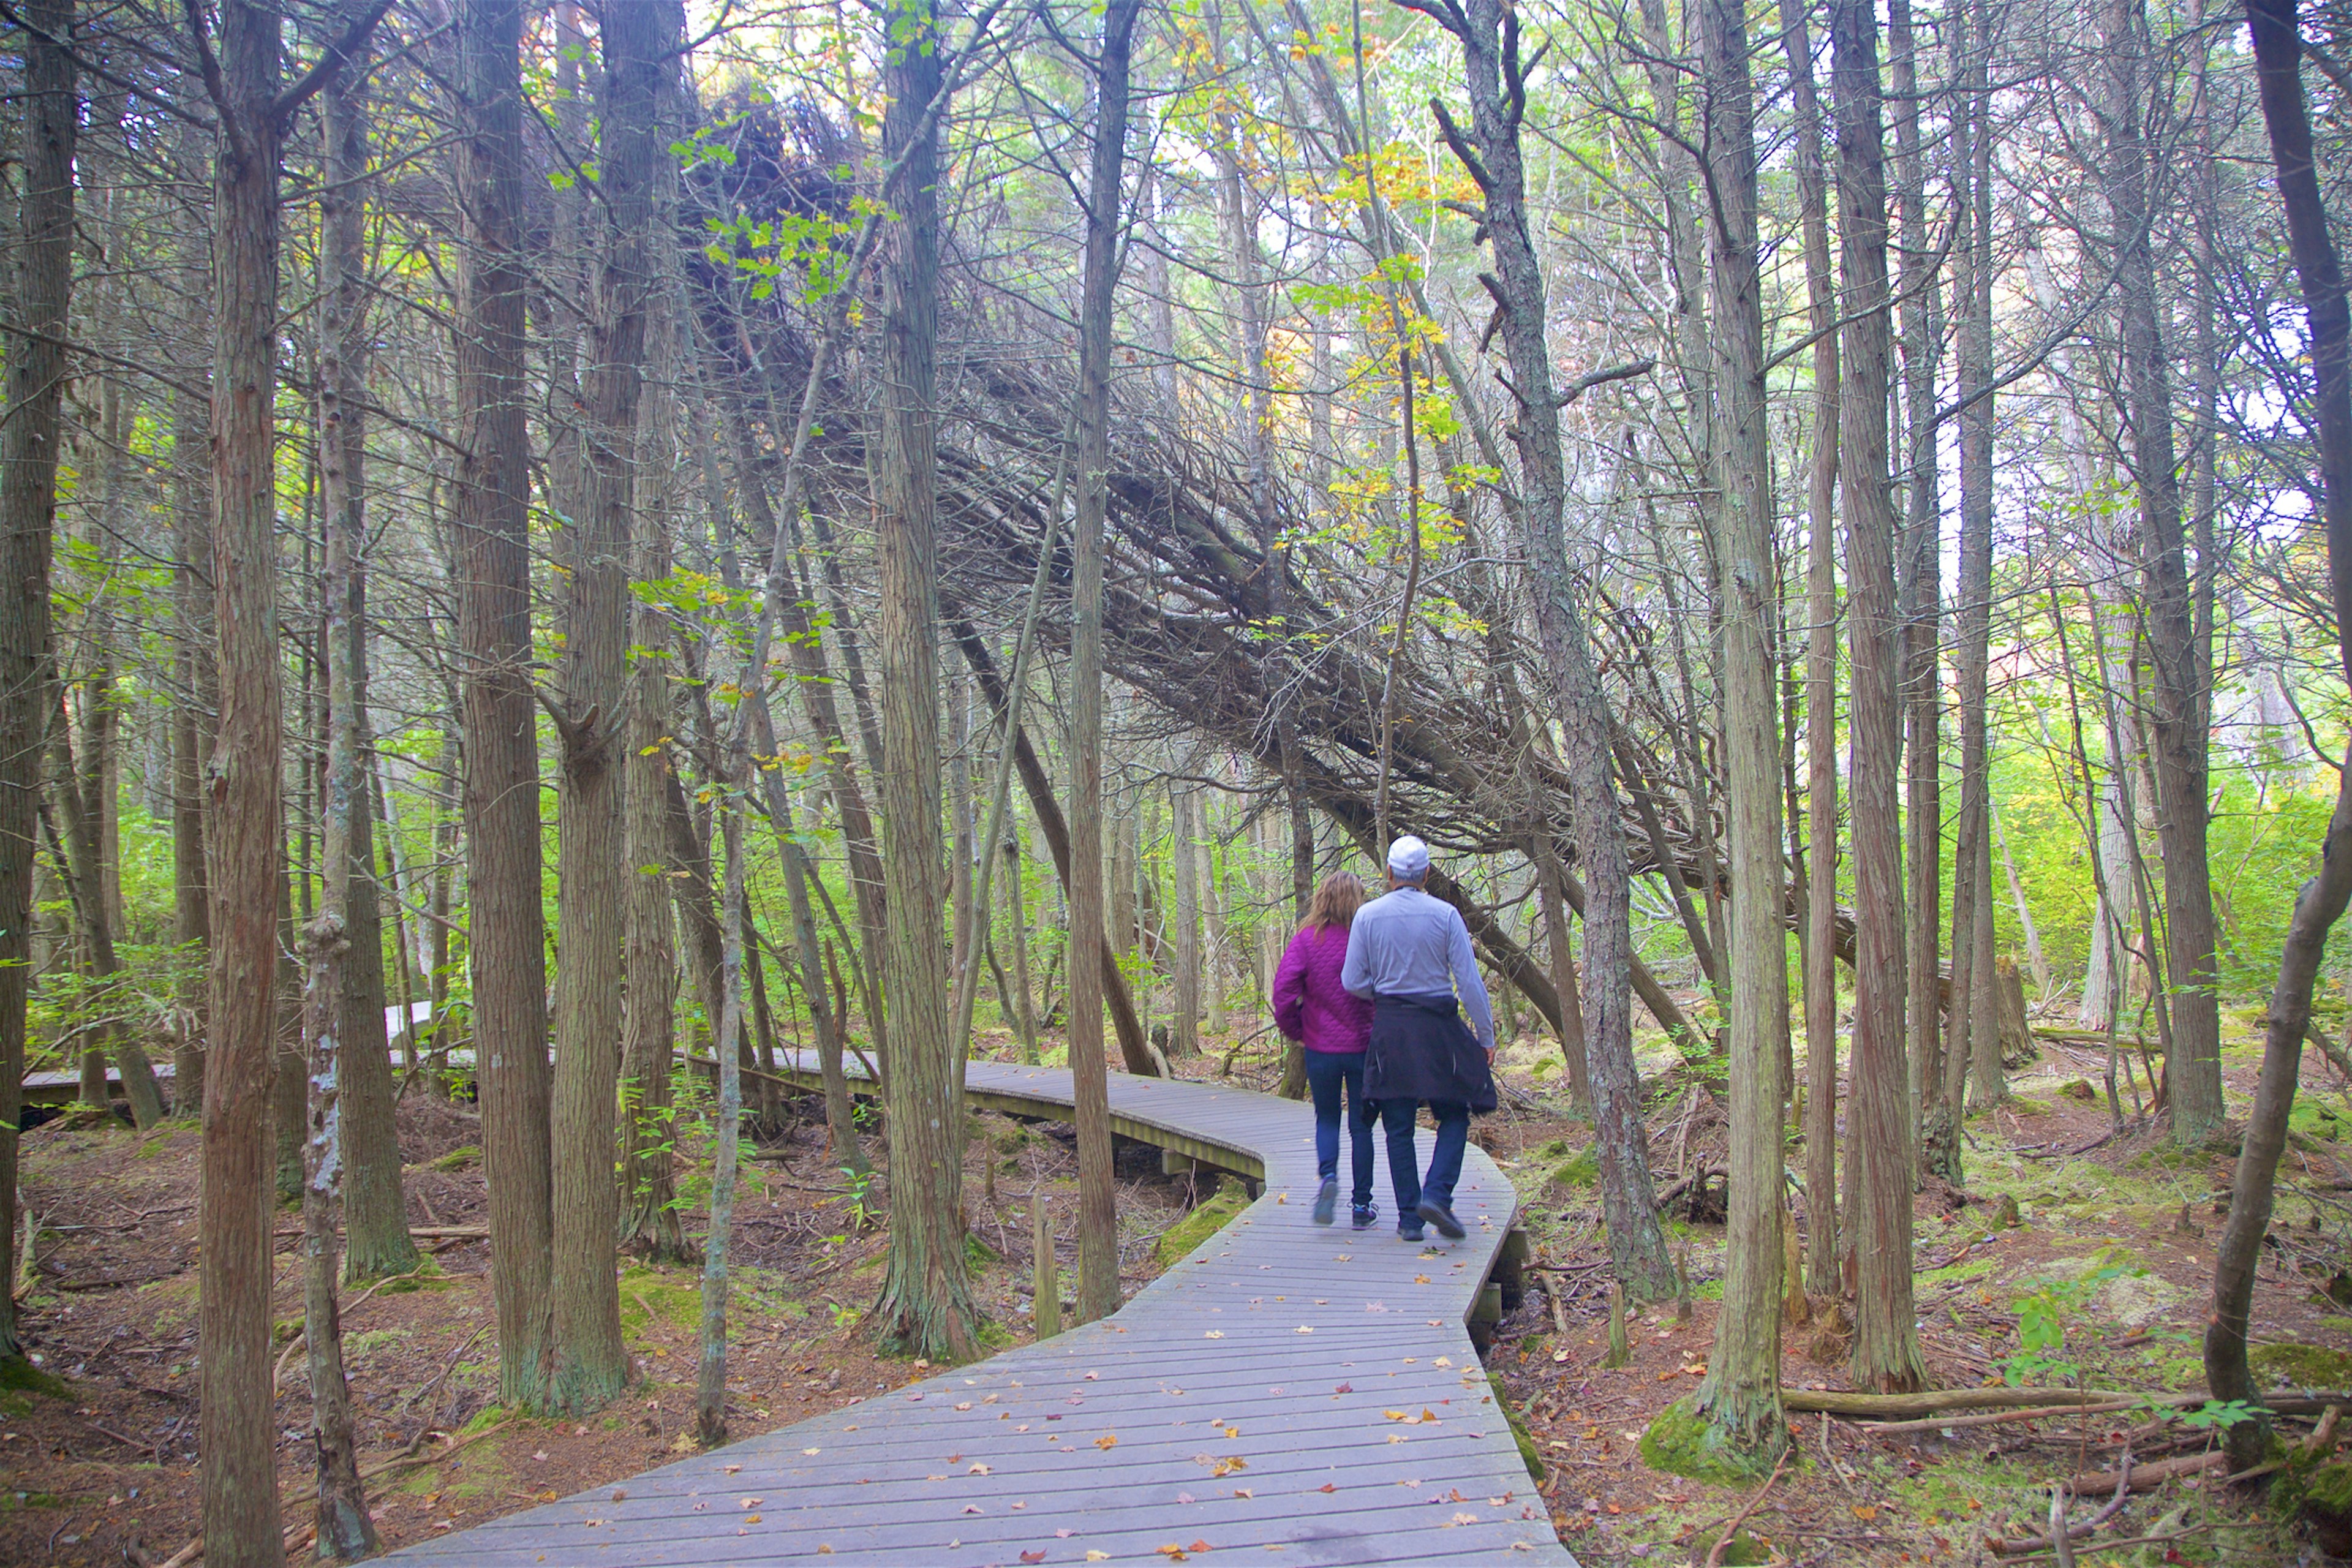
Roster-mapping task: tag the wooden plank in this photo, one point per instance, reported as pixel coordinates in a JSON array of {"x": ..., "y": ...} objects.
[{"x": 1257, "y": 1333}]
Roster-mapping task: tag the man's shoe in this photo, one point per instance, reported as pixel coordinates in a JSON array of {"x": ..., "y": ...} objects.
[
  {"x": 1326, "y": 1198},
  {"x": 1410, "y": 1231},
  {"x": 1443, "y": 1218},
  {"x": 1365, "y": 1216}
]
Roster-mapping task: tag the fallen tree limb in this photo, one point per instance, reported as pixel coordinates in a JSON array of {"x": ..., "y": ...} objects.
[
  {"x": 1893, "y": 1407},
  {"x": 2001, "y": 1418},
  {"x": 2147, "y": 1478}
]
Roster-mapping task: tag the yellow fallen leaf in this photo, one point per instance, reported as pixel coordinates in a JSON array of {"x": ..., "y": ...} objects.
[
  {"x": 1215, "y": 1334},
  {"x": 1394, "y": 1415},
  {"x": 1093, "y": 1556},
  {"x": 1107, "y": 1441},
  {"x": 750, "y": 1519}
]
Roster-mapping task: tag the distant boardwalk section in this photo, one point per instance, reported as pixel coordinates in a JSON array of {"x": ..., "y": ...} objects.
[{"x": 1308, "y": 1396}]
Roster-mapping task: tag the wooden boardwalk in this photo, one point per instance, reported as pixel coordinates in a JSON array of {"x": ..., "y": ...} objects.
[{"x": 1308, "y": 1396}]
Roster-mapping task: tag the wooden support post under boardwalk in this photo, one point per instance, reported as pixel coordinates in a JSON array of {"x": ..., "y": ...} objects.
[{"x": 1047, "y": 1281}]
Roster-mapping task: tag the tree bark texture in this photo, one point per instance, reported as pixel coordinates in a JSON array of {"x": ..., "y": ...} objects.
[
  {"x": 1099, "y": 1292},
  {"x": 1740, "y": 1395},
  {"x": 1886, "y": 1355},
  {"x": 506, "y": 928},
  {"x": 926, "y": 1307},
  {"x": 239, "y": 1470},
  {"x": 35, "y": 370},
  {"x": 1820, "y": 678}
]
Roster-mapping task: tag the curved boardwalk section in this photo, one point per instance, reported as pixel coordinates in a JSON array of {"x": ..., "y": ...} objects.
[{"x": 1308, "y": 1396}]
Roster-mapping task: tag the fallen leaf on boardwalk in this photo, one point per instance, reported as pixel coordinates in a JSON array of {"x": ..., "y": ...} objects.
[
  {"x": 1092, "y": 1375},
  {"x": 1427, "y": 1415},
  {"x": 1342, "y": 1256},
  {"x": 1215, "y": 1334},
  {"x": 955, "y": 1459},
  {"x": 1064, "y": 1535},
  {"x": 826, "y": 1549},
  {"x": 1327, "y": 1487},
  {"x": 1243, "y": 1492},
  {"x": 1174, "y": 1552},
  {"x": 749, "y": 1502},
  {"x": 750, "y": 1519},
  {"x": 1394, "y": 1415},
  {"x": 1396, "y": 1437},
  {"x": 1036, "y": 1556},
  {"x": 732, "y": 1468},
  {"x": 1183, "y": 1497},
  {"x": 1454, "y": 1495},
  {"x": 1442, "y": 1360},
  {"x": 1345, "y": 1388},
  {"x": 976, "y": 1470},
  {"x": 618, "y": 1495},
  {"x": 1466, "y": 1519},
  {"x": 1233, "y": 1431},
  {"x": 1303, "y": 1329},
  {"x": 971, "y": 1508},
  {"x": 1421, "y": 1279},
  {"x": 1094, "y": 1556},
  {"x": 1200, "y": 1546},
  {"x": 1107, "y": 1441},
  {"x": 1174, "y": 1392},
  {"x": 963, "y": 1405},
  {"x": 1505, "y": 1501}
]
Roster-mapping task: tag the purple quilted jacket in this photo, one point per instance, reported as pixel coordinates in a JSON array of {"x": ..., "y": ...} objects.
[{"x": 1309, "y": 1004}]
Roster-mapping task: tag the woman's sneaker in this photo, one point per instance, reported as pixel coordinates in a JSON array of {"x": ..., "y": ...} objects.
[
  {"x": 1365, "y": 1216},
  {"x": 1326, "y": 1198}
]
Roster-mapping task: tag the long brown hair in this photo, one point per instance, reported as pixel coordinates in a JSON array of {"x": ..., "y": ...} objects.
[{"x": 1336, "y": 903}]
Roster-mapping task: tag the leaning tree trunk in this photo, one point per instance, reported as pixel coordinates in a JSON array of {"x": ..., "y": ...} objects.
[
  {"x": 1879, "y": 1120},
  {"x": 42, "y": 306},
  {"x": 1489, "y": 34},
  {"x": 2278, "y": 65},
  {"x": 505, "y": 924},
  {"x": 1184, "y": 1032},
  {"x": 925, "y": 1307}
]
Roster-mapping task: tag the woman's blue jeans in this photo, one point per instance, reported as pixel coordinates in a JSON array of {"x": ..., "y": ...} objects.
[{"x": 1327, "y": 1071}]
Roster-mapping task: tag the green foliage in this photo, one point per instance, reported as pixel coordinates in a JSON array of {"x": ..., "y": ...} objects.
[{"x": 2047, "y": 1308}]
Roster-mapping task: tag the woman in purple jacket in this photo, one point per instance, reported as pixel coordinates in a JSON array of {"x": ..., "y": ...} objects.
[{"x": 1312, "y": 1007}]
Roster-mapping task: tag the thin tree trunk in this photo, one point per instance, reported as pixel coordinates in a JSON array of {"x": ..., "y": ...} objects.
[
  {"x": 710, "y": 1367},
  {"x": 40, "y": 302},
  {"x": 1184, "y": 1032},
  {"x": 193, "y": 697},
  {"x": 1016, "y": 937},
  {"x": 926, "y": 1306},
  {"x": 1920, "y": 592},
  {"x": 506, "y": 926},
  {"x": 649, "y": 1219},
  {"x": 1879, "y": 1120},
  {"x": 84, "y": 871},
  {"x": 375, "y": 1214},
  {"x": 1820, "y": 680},
  {"x": 1099, "y": 1291},
  {"x": 1554, "y": 896},
  {"x": 1739, "y": 1398},
  {"x": 336, "y": 1137}
]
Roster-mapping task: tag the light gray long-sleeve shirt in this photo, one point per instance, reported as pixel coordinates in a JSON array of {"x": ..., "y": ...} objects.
[{"x": 1407, "y": 943}]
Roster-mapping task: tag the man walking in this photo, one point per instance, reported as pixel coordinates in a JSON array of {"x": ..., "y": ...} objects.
[{"x": 1410, "y": 955}]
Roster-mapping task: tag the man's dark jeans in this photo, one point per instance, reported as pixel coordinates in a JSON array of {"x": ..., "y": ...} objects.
[
  {"x": 1444, "y": 1158},
  {"x": 1327, "y": 1071}
]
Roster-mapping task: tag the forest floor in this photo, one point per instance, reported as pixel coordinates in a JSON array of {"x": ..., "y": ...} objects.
[{"x": 2112, "y": 1243}]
